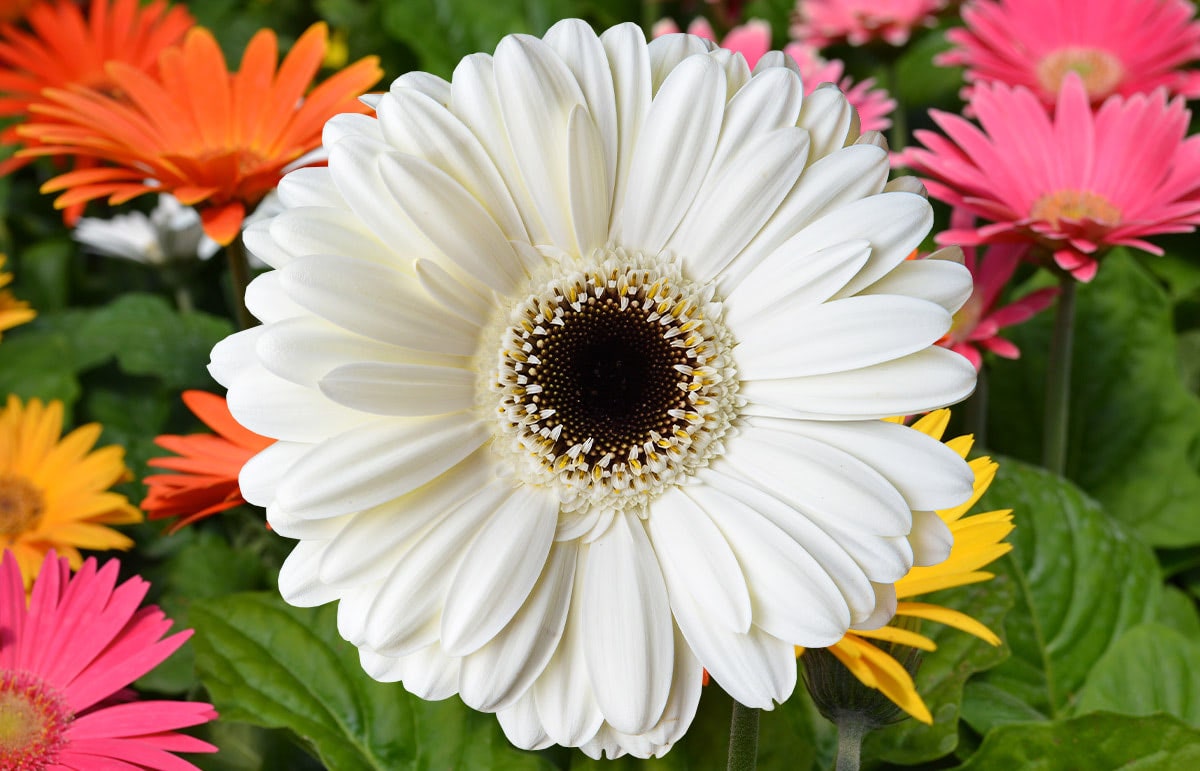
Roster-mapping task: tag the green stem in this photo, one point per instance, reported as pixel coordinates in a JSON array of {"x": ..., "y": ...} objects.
[
  {"x": 977, "y": 409},
  {"x": 1058, "y": 380},
  {"x": 239, "y": 275},
  {"x": 743, "y": 738},
  {"x": 851, "y": 729},
  {"x": 899, "y": 135}
]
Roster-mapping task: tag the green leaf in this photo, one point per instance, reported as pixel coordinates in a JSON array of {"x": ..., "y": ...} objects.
[
  {"x": 1178, "y": 611},
  {"x": 944, "y": 672},
  {"x": 273, "y": 665},
  {"x": 1152, "y": 668},
  {"x": 443, "y": 31},
  {"x": 1095, "y": 742},
  {"x": 1081, "y": 581},
  {"x": 1135, "y": 428},
  {"x": 150, "y": 338}
]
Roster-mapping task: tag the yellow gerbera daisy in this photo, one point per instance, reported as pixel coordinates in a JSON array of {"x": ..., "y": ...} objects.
[
  {"x": 977, "y": 542},
  {"x": 54, "y": 489},
  {"x": 12, "y": 310}
]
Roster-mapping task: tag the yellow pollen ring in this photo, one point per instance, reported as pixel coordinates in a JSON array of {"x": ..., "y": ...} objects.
[
  {"x": 1100, "y": 71},
  {"x": 21, "y": 505},
  {"x": 1075, "y": 205}
]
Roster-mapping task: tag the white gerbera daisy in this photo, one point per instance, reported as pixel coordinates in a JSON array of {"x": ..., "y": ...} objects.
[
  {"x": 170, "y": 233},
  {"x": 577, "y": 363}
]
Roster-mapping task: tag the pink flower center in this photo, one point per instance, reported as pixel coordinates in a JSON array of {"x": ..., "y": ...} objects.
[
  {"x": 1100, "y": 71},
  {"x": 33, "y": 722},
  {"x": 21, "y": 505},
  {"x": 1075, "y": 205}
]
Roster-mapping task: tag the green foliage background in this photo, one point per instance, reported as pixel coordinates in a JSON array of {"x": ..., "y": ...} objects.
[{"x": 1097, "y": 603}]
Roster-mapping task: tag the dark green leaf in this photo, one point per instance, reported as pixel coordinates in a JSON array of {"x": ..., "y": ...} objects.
[
  {"x": 272, "y": 665},
  {"x": 1152, "y": 668},
  {"x": 1135, "y": 428},
  {"x": 943, "y": 673},
  {"x": 1096, "y": 742},
  {"x": 1081, "y": 581}
]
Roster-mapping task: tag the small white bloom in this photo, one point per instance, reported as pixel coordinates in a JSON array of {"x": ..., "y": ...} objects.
[
  {"x": 577, "y": 364},
  {"x": 172, "y": 232}
]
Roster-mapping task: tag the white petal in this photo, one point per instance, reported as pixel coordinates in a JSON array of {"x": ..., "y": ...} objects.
[
  {"x": 629, "y": 62},
  {"x": 926, "y": 380},
  {"x": 792, "y": 594},
  {"x": 827, "y": 185},
  {"x": 427, "y": 673},
  {"x": 673, "y": 153},
  {"x": 926, "y": 472},
  {"x": 261, "y": 474},
  {"x": 563, "y": 693},
  {"x": 787, "y": 279},
  {"x": 836, "y": 336},
  {"x": 405, "y": 613},
  {"x": 350, "y": 125},
  {"x": 267, "y": 300},
  {"x": 385, "y": 669},
  {"x": 234, "y": 356},
  {"x": 303, "y": 230},
  {"x": 828, "y": 117},
  {"x": 376, "y": 302},
  {"x": 667, "y": 53},
  {"x": 493, "y": 677},
  {"x": 259, "y": 244},
  {"x": 885, "y": 607},
  {"x": 271, "y": 406},
  {"x": 401, "y": 389},
  {"x": 522, "y": 725},
  {"x": 627, "y": 627},
  {"x": 418, "y": 125},
  {"x": 459, "y": 298},
  {"x": 424, "y": 83},
  {"x": 499, "y": 570},
  {"x": 382, "y": 460},
  {"x": 685, "y": 536},
  {"x": 938, "y": 281},
  {"x": 537, "y": 92},
  {"x": 769, "y": 102},
  {"x": 298, "y": 581},
  {"x": 735, "y": 203},
  {"x": 931, "y": 539},
  {"x": 310, "y": 186},
  {"x": 453, "y": 220},
  {"x": 590, "y": 185}
]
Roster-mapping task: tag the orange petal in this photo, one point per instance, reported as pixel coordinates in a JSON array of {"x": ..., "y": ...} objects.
[{"x": 223, "y": 223}]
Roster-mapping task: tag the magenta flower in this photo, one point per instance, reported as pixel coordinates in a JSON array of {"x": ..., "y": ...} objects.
[
  {"x": 65, "y": 658},
  {"x": 1116, "y": 46},
  {"x": 1073, "y": 183},
  {"x": 825, "y": 22},
  {"x": 753, "y": 39},
  {"x": 978, "y": 322}
]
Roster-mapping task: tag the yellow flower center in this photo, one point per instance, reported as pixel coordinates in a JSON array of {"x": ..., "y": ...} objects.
[
  {"x": 33, "y": 722},
  {"x": 1075, "y": 205},
  {"x": 1100, "y": 71},
  {"x": 21, "y": 505}
]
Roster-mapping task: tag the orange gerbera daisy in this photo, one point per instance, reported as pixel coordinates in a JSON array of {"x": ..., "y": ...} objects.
[
  {"x": 208, "y": 465},
  {"x": 977, "y": 542},
  {"x": 62, "y": 49},
  {"x": 12, "y": 310},
  {"x": 217, "y": 141},
  {"x": 54, "y": 489}
]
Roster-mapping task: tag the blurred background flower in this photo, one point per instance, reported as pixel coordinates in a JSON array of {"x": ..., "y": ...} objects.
[{"x": 822, "y": 23}]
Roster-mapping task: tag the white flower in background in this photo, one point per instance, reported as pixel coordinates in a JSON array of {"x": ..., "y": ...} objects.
[
  {"x": 170, "y": 233},
  {"x": 576, "y": 363}
]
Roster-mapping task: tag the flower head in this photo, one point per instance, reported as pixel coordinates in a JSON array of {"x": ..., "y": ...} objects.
[
  {"x": 13, "y": 312},
  {"x": 1074, "y": 183},
  {"x": 207, "y": 465},
  {"x": 61, "y": 48},
  {"x": 822, "y": 23},
  {"x": 978, "y": 541},
  {"x": 1115, "y": 46},
  {"x": 170, "y": 233},
  {"x": 576, "y": 364},
  {"x": 215, "y": 140},
  {"x": 753, "y": 39},
  {"x": 66, "y": 653},
  {"x": 54, "y": 492}
]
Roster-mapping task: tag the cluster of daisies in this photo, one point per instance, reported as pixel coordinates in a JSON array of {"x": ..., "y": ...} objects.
[{"x": 579, "y": 377}]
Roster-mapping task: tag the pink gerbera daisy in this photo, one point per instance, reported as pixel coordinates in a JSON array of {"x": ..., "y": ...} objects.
[
  {"x": 825, "y": 22},
  {"x": 753, "y": 39},
  {"x": 1073, "y": 183},
  {"x": 977, "y": 324},
  {"x": 64, "y": 656},
  {"x": 1116, "y": 46}
]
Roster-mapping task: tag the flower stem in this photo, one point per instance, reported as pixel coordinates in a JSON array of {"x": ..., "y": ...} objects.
[
  {"x": 1058, "y": 380},
  {"x": 899, "y": 134},
  {"x": 851, "y": 729},
  {"x": 743, "y": 738},
  {"x": 239, "y": 275},
  {"x": 977, "y": 409}
]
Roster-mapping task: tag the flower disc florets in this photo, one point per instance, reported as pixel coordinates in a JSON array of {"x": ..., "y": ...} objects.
[{"x": 614, "y": 379}]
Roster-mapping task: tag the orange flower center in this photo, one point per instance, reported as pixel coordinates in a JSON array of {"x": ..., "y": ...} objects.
[
  {"x": 33, "y": 722},
  {"x": 1075, "y": 205},
  {"x": 21, "y": 506},
  {"x": 1100, "y": 71}
]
